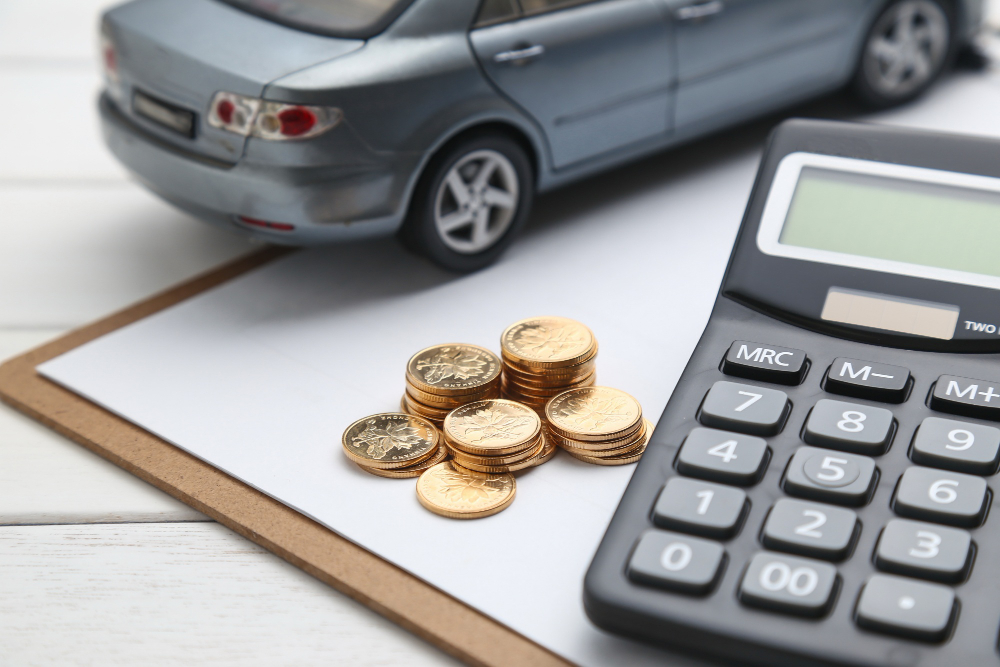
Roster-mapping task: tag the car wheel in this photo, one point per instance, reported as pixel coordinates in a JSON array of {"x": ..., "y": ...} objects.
[
  {"x": 905, "y": 50},
  {"x": 470, "y": 203}
]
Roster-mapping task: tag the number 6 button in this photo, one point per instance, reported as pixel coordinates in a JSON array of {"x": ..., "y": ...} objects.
[{"x": 943, "y": 497}]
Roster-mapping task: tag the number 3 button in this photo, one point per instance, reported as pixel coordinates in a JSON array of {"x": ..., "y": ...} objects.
[{"x": 723, "y": 456}]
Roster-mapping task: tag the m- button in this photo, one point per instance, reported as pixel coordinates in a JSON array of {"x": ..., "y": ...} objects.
[
  {"x": 865, "y": 379},
  {"x": 767, "y": 363},
  {"x": 967, "y": 396}
]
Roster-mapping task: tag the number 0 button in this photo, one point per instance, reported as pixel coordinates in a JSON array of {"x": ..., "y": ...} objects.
[
  {"x": 678, "y": 562},
  {"x": 723, "y": 456},
  {"x": 745, "y": 408},
  {"x": 785, "y": 583},
  {"x": 942, "y": 497}
]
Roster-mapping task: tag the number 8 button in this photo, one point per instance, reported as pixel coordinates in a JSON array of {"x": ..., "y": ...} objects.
[{"x": 849, "y": 427}]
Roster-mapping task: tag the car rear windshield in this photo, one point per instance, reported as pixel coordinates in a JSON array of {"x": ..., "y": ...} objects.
[{"x": 359, "y": 19}]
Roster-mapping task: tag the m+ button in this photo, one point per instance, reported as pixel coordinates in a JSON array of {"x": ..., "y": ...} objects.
[{"x": 966, "y": 396}]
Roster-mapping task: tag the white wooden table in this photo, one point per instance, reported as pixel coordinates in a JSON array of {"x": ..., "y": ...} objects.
[{"x": 96, "y": 566}]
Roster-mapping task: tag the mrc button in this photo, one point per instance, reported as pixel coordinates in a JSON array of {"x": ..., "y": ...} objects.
[
  {"x": 866, "y": 379},
  {"x": 767, "y": 363},
  {"x": 966, "y": 396}
]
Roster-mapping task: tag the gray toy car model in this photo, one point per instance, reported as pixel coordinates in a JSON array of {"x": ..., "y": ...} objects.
[{"x": 308, "y": 121}]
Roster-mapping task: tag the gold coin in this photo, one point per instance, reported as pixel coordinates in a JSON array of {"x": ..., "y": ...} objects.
[
  {"x": 621, "y": 460},
  {"x": 457, "y": 493},
  {"x": 593, "y": 413},
  {"x": 547, "y": 342},
  {"x": 390, "y": 440},
  {"x": 528, "y": 462},
  {"x": 410, "y": 471},
  {"x": 423, "y": 410},
  {"x": 549, "y": 392},
  {"x": 454, "y": 368},
  {"x": 455, "y": 401},
  {"x": 546, "y": 381},
  {"x": 606, "y": 446},
  {"x": 547, "y": 453},
  {"x": 618, "y": 452},
  {"x": 533, "y": 449},
  {"x": 492, "y": 427}
]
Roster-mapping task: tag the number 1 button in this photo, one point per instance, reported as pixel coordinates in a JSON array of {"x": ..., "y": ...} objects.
[
  {"x": 744, "y": 408},
  {"x": 712, "y": 510},
  {"x": 723, "y": 456}
]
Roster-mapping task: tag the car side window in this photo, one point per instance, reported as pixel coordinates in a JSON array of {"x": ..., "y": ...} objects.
[
  {"x": 497, "y": 11},
  {"x": 540, "y": 6}
]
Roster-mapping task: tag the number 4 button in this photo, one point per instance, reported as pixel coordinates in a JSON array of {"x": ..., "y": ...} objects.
[{"x": 723, "y": 456}]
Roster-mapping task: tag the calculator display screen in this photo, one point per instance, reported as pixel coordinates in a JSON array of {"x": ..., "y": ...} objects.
[{"x": 913, "y": 222}]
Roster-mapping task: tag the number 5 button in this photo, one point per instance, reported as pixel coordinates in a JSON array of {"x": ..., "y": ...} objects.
[
  {"x": 723, "y": 456},
  {"x": 942, "y": 497},
  {"x": 821, "y": 474},
  {"x": 744, "y": 408}
]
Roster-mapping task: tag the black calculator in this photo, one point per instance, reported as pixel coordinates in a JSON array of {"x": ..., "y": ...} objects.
[{"x": 818, "y": 490}]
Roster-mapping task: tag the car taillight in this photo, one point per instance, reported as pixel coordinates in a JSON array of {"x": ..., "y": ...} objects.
[
  {"x": 109, "y": 59},
  {"x": 276, "y": 121}
]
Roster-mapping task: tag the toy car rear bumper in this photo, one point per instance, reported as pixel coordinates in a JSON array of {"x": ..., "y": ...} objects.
[{"x": 322, "y": 203}]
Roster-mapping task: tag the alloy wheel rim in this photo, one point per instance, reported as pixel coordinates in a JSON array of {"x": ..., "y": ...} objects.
[
  {"x": 476, "y": 201},
  {"x": 906, "y": 48}
]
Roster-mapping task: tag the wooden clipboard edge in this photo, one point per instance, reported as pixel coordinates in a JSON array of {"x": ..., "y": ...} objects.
[{"x": 394, "y": 593}]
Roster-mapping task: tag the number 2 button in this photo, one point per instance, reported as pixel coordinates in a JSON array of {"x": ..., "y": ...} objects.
[
  {"x": 723, "y": 456},
  {"x": 810, "y": 529},
  {"x": 744, "y": 408}
]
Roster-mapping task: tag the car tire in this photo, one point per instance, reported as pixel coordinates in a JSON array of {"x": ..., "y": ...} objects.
[
  {"x": 470, "y": 202},
  {"x": 905, "y": 50}
]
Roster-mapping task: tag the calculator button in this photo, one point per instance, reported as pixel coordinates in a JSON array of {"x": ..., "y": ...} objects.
[
  {"x": 924, "y": 550},
  {"x": 708, "y": 509},
  {"x": 678, "y": 562},
  {"x": 955, "y": 445},
  {"x": 786, "y": 583},
  {"x": 767, "y": 363},
  {"x": 745, "y": 408},
  {"x": 849, "y": 426},
  {"x": 906, "y": 607},
  {"x": 810, "y": 529},
  {"x": 835, "y": 477},
  {"x": 865, "y": 379},
  {"x": 940, "y": 496},
  {"x": 723, "y": 456},
  {"x": 965, "y": 396}
]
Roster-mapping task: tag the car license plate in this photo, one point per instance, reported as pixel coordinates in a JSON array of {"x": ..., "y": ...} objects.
[{"x": 169, "y": 116}]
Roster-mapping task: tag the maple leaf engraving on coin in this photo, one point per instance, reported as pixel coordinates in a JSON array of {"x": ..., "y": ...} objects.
[
  {"x": 595, "y": 411},
  {"x": 459, "y": 487},
  {"x": 450, "y": 363},
  {"x": 380, "y": 441},
  {"x": 548, "y": 342},
  {"x": 489, "y": 423}
]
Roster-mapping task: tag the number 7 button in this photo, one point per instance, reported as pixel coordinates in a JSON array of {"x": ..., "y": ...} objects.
[{"x": 744, "y": 408}]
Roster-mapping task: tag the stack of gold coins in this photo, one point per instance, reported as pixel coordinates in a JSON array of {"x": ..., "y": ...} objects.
[
  {"x": 544, "y": 356},
  {"x": 495, "y": 436},
  {"x": 392, "y": 444},
  {"x": 458, "y": 493},
  {"x": 598, "y": 425},
  {"x": 444, "y": 377}
]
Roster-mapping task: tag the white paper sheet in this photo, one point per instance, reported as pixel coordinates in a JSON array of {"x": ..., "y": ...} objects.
[{"x": 259, "y": 377}]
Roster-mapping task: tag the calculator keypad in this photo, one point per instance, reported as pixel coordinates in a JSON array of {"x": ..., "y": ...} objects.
[
  {"x": 723, "y": 456},
  {"x": 956, "y": 445},
  {"x": 849, "y": 427},
  {"x": 703, "y": 508},
  {"x": 786, "y": 583},
  {"x": 906, "y": 607},
  {"x": 810, "y": 529},
  {"x": 924, "y": 550},
  {"x": 834, "y": 477},
  {"x": 944, "y": 497},
  {"x": 678, "y": 562},
  {"x": 745, "y": 408},
  {"x": 802, "y": 539}
]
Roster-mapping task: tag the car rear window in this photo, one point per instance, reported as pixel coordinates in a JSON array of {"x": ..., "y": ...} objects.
[{"x": 341, "y": 18}]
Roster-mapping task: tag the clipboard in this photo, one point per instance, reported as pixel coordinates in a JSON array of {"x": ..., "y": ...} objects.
[{"x": 408, "y": 601}]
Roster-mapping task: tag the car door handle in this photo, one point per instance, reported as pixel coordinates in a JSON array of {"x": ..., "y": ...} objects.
[
  {"x": 700, "y": 10},
  {"x": 521, "y": 56}
]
